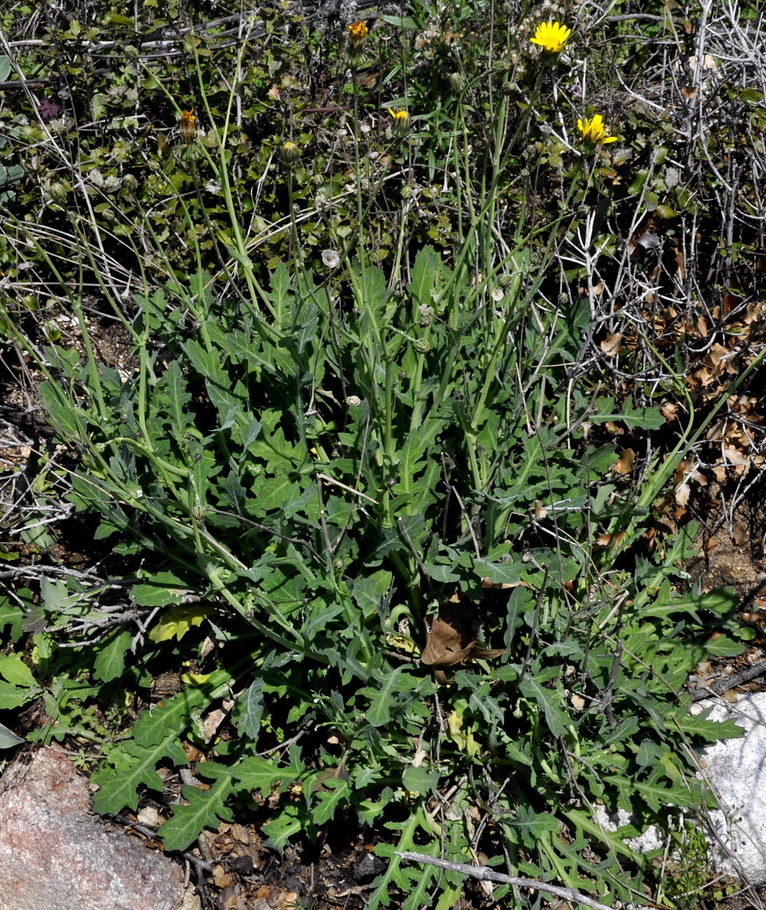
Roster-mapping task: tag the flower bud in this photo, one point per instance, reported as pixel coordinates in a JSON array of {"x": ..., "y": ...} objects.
[{"x": 290, "y": 152}]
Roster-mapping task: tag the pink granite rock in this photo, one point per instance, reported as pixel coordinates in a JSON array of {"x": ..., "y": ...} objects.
[{"x": 55, "y": 854}]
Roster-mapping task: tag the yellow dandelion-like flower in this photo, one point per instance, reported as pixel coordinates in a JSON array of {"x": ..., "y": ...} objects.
[
  {"x": 357, "y": 33},
  {"x": 551, "y": 36},
  {"x": 188, "y": 127},
  {"x": 401, "y": 121},
  {"x": 592, "y": 129}
]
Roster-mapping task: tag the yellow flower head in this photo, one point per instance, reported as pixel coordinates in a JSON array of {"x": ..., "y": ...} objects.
[
  {"x": 188, "y": 126},
  {"x": 592, "y": 130},
  {"x": 551, "y": 36},
  {"x": 357, "y": 32},
  {"x": 401, "y": 121},
  {"x": 290, "y": 152}
]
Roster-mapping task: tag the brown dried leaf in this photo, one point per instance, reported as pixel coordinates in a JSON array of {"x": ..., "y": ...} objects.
[
  {"x": 625, "y": 462},
  {"x": 452, "y": 635},
  {"x": 669, "y": 411},
  {"x": 504, "y": 585},
  {"x": 486, "y": 653},
  {"x": 221, "y": 876},
  {"x": 610, "y": 540},
  {"x": 717, "y": 357},
  {"x": 704, "y": 377},
  {"x": 735, "y": 457},
  {"x": 611, "y": 345},
  {"x": 719, "y": 472},
  {"x": 683, "y": 491}
]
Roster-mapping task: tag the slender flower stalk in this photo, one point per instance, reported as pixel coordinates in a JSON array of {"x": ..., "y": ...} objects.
[
  {"x": 551, "y": 36},
  {"x": 592, "y": 130}
]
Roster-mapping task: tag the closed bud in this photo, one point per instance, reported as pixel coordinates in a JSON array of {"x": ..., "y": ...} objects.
[{"x": 290, "y": 152}]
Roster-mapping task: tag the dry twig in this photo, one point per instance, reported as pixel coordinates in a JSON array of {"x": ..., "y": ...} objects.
[
  {"x": 485, "y": 874},
  {"x": 726, "y": 683}
]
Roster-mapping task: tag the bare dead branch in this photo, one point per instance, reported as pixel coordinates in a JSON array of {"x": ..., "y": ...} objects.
[
  {"x": 725, "y": 684},
  {"x": 485, "y": 874}
]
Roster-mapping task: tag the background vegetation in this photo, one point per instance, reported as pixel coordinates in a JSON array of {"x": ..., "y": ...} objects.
[{"x": 315, "y": 329}]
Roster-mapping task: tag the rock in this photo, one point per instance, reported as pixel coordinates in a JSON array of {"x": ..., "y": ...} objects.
[
  {"x": 55, "y": 853},
  {"x": 735, "y": 770},
  {"x": 649, "y": 839},
  {"x": 368, "y": 867}
]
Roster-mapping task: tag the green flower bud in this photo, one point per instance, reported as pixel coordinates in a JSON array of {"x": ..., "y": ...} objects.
[{"x": 290, "y": 152}]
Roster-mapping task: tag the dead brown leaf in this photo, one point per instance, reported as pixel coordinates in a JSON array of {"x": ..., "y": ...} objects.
[
  {"x": 625, "y": 462},
  {"x": 683, "y": 492},
  {"x": 669, "y": 411},
  {"x": 611, "y": 345},
  {"x": 452, "y": 635},
  {"x": 610, "y": 540}
]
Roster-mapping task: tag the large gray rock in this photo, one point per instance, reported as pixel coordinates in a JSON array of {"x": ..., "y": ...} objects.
[
  {"x": 56, "y": 855},
  {"x": 735, "y": 769}
]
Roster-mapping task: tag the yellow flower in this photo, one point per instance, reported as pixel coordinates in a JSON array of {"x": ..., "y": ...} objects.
[
  {"x": 188, "y": 126},
  {"x": 357, "y": 32},
  {"x": 592, "y": 130},
  {"x": 551, "y": 36},
  {"x": 401, "y": 121}
]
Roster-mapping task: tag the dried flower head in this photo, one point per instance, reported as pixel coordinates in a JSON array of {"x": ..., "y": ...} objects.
[
  {"x": 330, "y": 258},
  {"x": 551, "y": 36},
  {"x": 188, "y": 126},
  {"x": 592, "y": 130},
  {"x": 357, "y": 33}
]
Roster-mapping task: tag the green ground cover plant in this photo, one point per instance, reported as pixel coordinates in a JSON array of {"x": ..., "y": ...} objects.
[{"x": 420, "y": 325}]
